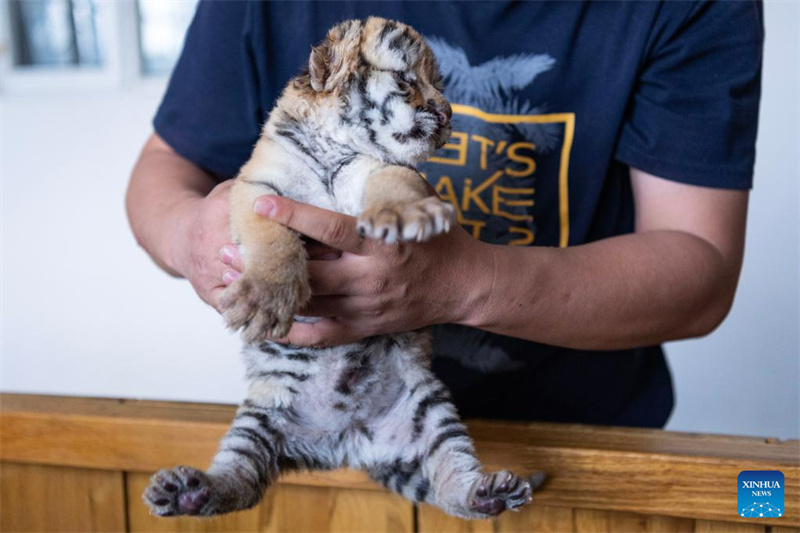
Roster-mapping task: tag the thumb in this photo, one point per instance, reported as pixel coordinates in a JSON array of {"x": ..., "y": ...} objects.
[{"x": 328, "y": 227}]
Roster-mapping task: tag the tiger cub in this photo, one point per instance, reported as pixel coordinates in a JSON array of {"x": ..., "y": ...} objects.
[{"x": 343, "y": 136}]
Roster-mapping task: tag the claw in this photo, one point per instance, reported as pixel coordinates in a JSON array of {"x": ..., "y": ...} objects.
[{"x": 495, "y": 493}]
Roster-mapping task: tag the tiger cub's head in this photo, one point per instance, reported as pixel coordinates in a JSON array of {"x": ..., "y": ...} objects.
[{"x": 386, "y": 87}]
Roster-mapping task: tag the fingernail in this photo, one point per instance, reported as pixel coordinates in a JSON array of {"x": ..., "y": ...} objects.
[
  {"x": 264, "y": 206},
  {"x": 230, "y": 276},
  {"x": 226, "y": 254}
]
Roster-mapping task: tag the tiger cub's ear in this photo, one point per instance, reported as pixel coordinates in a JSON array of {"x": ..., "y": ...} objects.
[
  {"x": 332, "y": 61},
  {"x": 318, "y": 67}
]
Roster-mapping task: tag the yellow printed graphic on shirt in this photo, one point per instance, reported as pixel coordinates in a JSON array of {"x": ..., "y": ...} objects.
[
  {"x": 506, "y": 166},
  {"x": 494, "y": 176}
]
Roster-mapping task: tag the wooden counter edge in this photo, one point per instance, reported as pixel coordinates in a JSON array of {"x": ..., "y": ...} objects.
[{"x": 143, "y": 436}]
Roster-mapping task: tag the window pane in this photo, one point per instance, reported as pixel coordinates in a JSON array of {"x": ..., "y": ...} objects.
[
  {"x": 55, "y": 33},
  {"x": 162, "y": 25},
  {"x": 84, "y": 15}
]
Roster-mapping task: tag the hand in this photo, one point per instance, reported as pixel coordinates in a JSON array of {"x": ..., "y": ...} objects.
[
  {"x": 204, "y": 253},
  {"x": 375, "y": 288}
]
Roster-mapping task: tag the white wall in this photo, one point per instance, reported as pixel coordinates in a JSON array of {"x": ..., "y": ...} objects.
[
  {"x": 744, "y": 377},
  {"x": 85, "y": 312}
]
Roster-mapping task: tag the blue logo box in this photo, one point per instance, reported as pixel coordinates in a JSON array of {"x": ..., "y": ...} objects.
[{"x": 761, "y": 494}]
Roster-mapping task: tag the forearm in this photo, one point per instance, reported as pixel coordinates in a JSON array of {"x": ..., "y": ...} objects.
[
  {"x": 163, "y": 188},
  {"x": 622, "y": 292}
]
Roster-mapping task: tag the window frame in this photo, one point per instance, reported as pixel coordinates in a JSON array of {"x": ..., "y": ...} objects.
[{"x": 118, "y": 33}]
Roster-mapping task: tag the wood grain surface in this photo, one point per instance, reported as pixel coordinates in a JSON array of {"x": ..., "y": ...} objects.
[
  {"x": 287, "y": 508},
  {"x": 600, "y": 479},
  {"x": 54, "y": 499}
]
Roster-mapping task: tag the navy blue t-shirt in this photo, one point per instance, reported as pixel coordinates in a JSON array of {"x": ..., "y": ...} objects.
[{"x": 553, "y": 103}]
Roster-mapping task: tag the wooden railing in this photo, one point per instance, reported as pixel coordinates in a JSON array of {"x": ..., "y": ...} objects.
[{"x": 79, "y": 464}]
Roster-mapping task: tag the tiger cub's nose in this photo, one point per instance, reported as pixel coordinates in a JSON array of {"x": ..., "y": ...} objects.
[{"x": 443, "y": 113}]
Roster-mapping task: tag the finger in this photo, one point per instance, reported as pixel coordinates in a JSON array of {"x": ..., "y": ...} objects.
[
  {"x": 224, "y": 186},
  {"x": 213, "y": 298},
  {"x": 328, "y": 227},
  {"x": 229, "y": 276},
  {"x": 325, "y": 332},
  {"x": 229, "y": 254},
  {"x": 332, "y": 278}
]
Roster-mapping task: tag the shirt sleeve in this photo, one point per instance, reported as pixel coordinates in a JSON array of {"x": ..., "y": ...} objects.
[
  {"x": 693, "y": 115},
  {"x": 210, "y": 113}
]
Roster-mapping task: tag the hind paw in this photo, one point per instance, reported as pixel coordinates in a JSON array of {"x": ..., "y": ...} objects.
[
  {"x": 494, "y": 493},
  {"x": 180, "y": 491}
]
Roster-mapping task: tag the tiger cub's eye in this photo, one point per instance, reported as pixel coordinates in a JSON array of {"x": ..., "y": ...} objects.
[{"x": 404, "y": 77}]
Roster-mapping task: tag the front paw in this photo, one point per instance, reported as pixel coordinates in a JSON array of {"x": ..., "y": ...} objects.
[
  {"x": 417, "y": 221},
  {"x": 262, "y": 308}
]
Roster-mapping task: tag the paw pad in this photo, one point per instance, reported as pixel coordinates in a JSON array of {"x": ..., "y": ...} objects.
[
  {"x": 494, "y": 493},
  {"x": 180, "y": 491}
]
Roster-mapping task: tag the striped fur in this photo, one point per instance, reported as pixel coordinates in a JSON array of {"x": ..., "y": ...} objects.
[{"x": 343, "y": 136}]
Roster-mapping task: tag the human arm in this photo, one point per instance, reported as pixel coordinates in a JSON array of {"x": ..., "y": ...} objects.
[
  {"x": 206, "y": 125},
  {"x": 179, "y": 215},
  {"x": 675, "y": 277}
]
